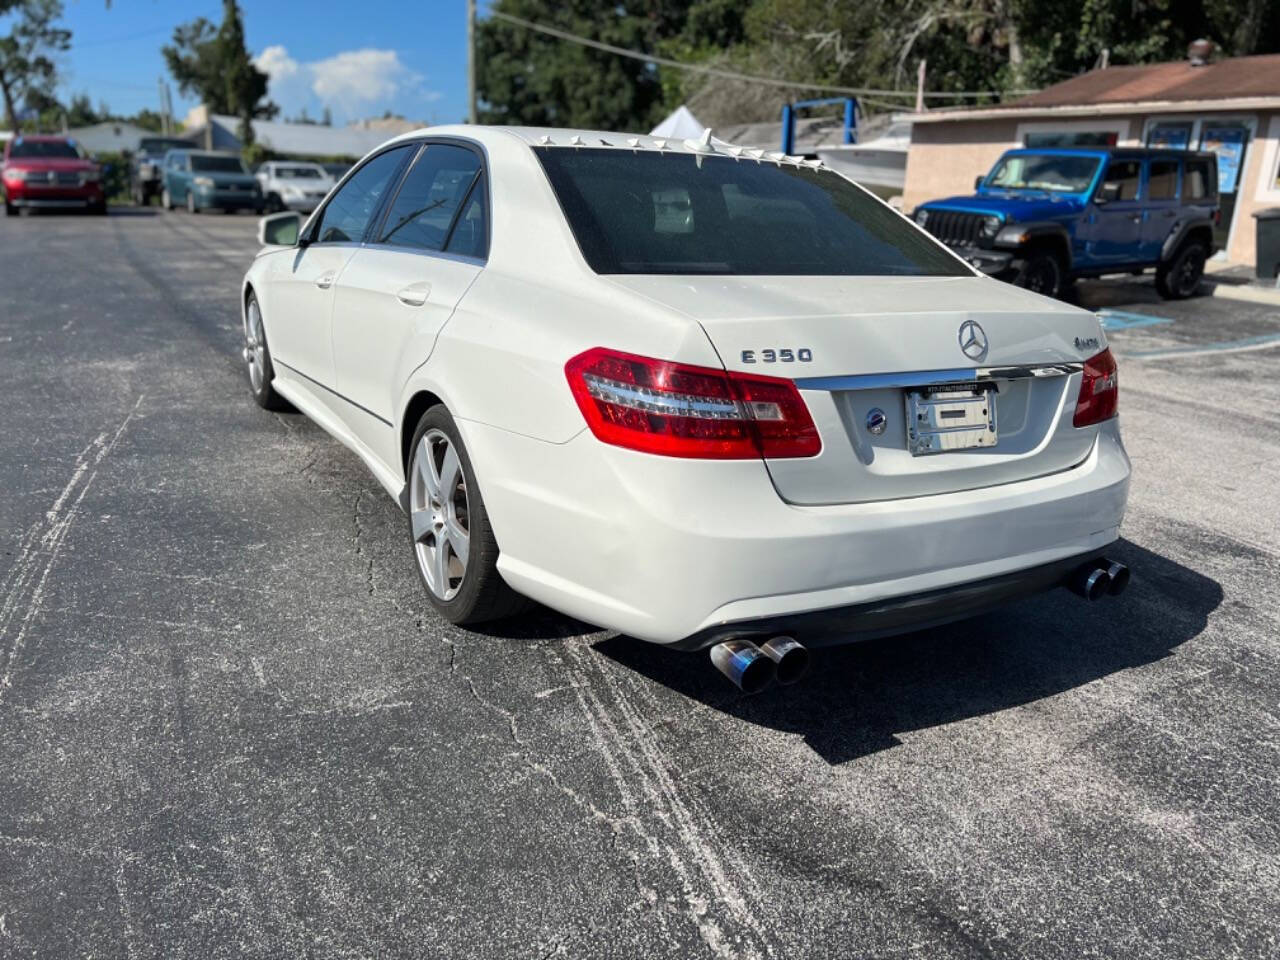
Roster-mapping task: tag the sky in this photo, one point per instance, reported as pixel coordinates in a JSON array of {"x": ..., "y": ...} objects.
[{"x": 358, "y": 58}]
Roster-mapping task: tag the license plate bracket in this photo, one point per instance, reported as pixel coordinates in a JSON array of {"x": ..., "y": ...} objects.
[{"x": 945, "y": 417}]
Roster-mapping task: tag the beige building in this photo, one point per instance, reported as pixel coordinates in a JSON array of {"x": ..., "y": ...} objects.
[{"x": 1230, "y": 107}]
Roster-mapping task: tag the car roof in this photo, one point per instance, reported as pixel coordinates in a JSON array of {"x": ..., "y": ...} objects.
[
  {"x": 1111, "y": 152},
  {"x": 44, "y": 138},
  {"x": 572, "y": 137}
]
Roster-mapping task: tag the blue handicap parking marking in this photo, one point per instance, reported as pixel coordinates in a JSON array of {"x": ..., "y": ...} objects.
[{"x": 1123, "y": 320}]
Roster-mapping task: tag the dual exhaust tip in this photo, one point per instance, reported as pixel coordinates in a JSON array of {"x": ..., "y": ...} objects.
[
  {"x": 751, "y": 668},
  {"x": 1098, "y": 579}
]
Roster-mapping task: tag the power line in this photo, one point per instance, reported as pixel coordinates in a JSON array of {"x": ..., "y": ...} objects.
[{"x": 732, "y": 74}]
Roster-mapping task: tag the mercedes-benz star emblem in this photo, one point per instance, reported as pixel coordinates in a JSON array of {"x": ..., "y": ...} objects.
[{"x": 973, "y": 340}]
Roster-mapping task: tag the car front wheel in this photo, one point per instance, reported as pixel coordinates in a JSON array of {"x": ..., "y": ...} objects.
[
  {"x": 257, "y": 356},
  {"x": 1180, "y": 278},
  {"x": 191, "y": 203},
  {"x": 453, "y": 543},
  {"x": 1041, "y": 273}
]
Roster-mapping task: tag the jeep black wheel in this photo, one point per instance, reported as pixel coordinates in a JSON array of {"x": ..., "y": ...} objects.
[
  {"x": 1041, "y": 273},
  {"x": 1180, "y": 277}
]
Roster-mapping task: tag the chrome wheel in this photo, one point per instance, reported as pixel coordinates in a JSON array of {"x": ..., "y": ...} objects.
[
  {"x": 255, "y": 346},
  {"x": 438, "y": 512}
]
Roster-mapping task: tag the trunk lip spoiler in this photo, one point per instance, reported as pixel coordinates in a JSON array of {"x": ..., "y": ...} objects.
[{"x": 928, "y": 378}]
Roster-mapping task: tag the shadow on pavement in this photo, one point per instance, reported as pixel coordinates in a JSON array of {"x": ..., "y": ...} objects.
[{"x": 858, "y": 698}]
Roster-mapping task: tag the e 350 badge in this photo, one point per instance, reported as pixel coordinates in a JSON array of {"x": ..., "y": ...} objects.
[{"x": 779, "y": 355}]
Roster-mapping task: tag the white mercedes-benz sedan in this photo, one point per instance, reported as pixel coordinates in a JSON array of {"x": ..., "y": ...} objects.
[{"x": 702, "y": 395}]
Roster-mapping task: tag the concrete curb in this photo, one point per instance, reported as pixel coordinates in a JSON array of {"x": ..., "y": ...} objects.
[{"x": 1249, "y": 293}]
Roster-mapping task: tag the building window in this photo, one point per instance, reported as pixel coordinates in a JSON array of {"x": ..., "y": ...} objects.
[
  {"x": 1079, "y": 138},
  {"x": 1170, "y": 136}
]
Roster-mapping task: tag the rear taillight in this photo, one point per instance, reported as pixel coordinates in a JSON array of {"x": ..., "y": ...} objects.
[
  {"x": 1099, "y": 391},
  {"x": 678, "y": 410}
]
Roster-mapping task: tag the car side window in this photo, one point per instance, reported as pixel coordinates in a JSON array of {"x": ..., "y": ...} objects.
[
  {"x": 433, "y": 190},
  {"x": 1126, "y": 174},
  {"x": 1162, "y": 180},
  {"x": 1196, "y": 184},
  {"x": 470, "y": 236},
  {"x": 346, "y": 216}
]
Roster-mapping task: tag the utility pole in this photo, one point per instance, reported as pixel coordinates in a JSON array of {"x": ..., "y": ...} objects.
[
  {"x": 164, "y": 108},
  {"x": 471, "y": 61},
  {"x": 920, "y": 86}
]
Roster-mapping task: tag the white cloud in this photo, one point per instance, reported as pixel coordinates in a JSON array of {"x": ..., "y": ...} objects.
[{"x": 353, "y": 82}]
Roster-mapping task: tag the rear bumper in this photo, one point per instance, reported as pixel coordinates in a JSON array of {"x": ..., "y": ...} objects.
[
  {"x": 878, "y": 618},
  {"x": 676, "y": 551}
]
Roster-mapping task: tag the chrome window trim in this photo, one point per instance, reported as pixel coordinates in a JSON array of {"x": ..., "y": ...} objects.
[
  {"x": 928, "y": 378},
  {"x": 419, "y": 142}
]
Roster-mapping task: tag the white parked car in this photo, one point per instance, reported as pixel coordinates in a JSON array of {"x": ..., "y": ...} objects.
[
  {"x": 697, "y": 394},
  {"x": 293, "y": 186}
]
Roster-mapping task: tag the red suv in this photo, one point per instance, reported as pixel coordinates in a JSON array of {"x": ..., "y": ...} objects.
[{"x": 50, "y": 172}]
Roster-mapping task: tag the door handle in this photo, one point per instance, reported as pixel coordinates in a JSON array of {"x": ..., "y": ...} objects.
[
  {"x": 414, "y": 295},
  {"x": 325, "y": 280}
]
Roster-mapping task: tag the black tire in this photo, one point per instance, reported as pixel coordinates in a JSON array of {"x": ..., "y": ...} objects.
[
  {"x": 99, "y": 209},
  {"x": 1042, "y": 273},
  {"x": 1180, "y": 277},
  {"x": 273, "y": 204},
  {"x": 10, "y": 210},
  {"x": 482, "y": 594},
  {"x": 191, "y": 203},
  {"x": 264, "y": 394}
]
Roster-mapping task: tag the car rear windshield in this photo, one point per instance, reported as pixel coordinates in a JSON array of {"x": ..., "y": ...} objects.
[
  {"x": 1055, "y": 173},
  {"x": 62, "y": 149},
  {"x": 677, "y": 213},
  {"x": 204, "y": 163}
]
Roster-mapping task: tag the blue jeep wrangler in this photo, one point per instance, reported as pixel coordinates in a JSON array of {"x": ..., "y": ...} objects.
[{"x": 1041, "y": 218}]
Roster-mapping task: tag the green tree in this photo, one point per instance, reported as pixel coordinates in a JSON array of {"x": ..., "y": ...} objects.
[
  {"x": 213, "y": 64},
  {"x": 524, "y": 77},
  {"x": 26, "y": 53},
  {"x": 80, "y": 112}
]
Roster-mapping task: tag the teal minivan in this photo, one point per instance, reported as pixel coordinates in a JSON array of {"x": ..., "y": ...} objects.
[{"x": 205, "y": 180}]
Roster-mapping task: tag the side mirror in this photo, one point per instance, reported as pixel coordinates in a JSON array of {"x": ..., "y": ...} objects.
[
  {"x": 978, "y": 181},
  {"x": 1107, "y": 193},
  {"x": 280, "y": 229}
]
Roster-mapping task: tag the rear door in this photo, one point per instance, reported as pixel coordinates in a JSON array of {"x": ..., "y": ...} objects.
[
  {"x": 399, "y": 289},
  {"x": 1160, "y": 212},
  {"x": 299, "y": 308}
]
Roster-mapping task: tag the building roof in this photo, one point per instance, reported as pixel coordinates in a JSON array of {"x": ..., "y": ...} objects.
[
  {"x": 1166, "y": 82},
  {"x": 310, "y": 139},
  {"x": 111, "y": 136},
  {"x": 1232, "y": 83}
]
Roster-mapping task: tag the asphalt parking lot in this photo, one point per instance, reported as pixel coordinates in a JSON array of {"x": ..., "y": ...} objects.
[{"x": 231, "y": 726}]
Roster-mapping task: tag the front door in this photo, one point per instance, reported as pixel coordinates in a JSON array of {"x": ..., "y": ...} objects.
[
  {"x": 399, "y": 289},
  {"x": 1115, "y": 218}
]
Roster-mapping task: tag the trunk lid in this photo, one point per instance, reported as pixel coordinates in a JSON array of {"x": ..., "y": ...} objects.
[{"x": 857, "y": 345}]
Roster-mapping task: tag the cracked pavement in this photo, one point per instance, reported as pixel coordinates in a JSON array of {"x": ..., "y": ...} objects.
[{"x": 232, "y": 726}]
